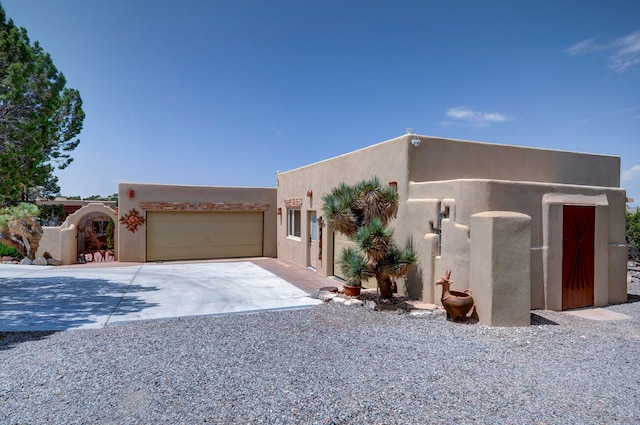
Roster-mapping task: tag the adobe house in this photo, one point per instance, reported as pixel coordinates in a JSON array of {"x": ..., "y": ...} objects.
[{"x": 523, "y": 228}]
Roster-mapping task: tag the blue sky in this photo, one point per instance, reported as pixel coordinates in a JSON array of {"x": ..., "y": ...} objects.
[{"x": 229, "y": 92}]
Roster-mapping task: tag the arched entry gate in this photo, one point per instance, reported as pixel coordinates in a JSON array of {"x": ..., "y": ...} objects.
[
  {"x": 95, "y": 238},
  {"x": 85, "y": 235}
]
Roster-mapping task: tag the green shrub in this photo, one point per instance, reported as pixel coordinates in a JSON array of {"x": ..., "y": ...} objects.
[
  {"x": 21, "y": 210},
  {"x": 10, "y": 251},
  {"x": 633, "y": 235}
]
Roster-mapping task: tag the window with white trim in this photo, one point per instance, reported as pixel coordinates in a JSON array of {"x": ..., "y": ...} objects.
[{"x": 293, "y": 223}]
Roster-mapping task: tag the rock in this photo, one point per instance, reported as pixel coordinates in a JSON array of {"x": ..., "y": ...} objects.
[
  {"x": 338, "y": 300},
  {"x": 326, "y": 296},
  {"x": 329, "y": 289},
  {"x": 354, "y": 302},
  {"x": 371, "y": 305},
  {"x": 53, "y": 262},
  {"x": 23, "y": 234},
  {"x": 26, "y": 262},
  {"x": 420, "y": 313},
  {"x": 439, "y": 313},
  {"x": 40, "y": 261},
  {"x": 419, "y": 305}
]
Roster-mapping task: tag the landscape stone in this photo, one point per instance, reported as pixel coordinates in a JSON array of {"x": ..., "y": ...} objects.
[
  {"x": 420, "y": 313},
  {"x": 419, "y": 305},
  {"x": 26, "y": 262},
  {"x": 326, "y": 296},
  {"x": 329, "y": 289},
  {"x": 354, "y": 302},
  {"x": 40, "y": 261},
  {"x": 370, "y": 304}
]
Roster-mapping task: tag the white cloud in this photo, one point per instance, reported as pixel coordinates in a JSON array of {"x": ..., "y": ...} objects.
[
  {"x": 627, "y": 52},
  {"x": 631, "y": 174},
  {"x": 475, "y": 117},
  {"x": 624, "y": 51},
  {"x": 585, "y": 46}
]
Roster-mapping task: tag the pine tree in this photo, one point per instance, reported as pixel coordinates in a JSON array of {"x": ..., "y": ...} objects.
[{"x": 39, "y": 118}]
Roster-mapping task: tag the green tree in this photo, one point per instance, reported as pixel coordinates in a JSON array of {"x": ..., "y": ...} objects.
[
  {"x": 633, "y": 235},
  {"x": 39, "y": 118},
  {"x": 363, "y": 212}
]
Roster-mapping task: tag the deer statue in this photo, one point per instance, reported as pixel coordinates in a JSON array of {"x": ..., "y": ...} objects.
[{"x": 456, "y": 303}]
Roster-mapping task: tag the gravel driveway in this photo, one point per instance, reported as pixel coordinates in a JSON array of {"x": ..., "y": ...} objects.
[{"x": 329, "y": 364}]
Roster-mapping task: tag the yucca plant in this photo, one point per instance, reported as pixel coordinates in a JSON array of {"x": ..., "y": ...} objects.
[
  {"x": 355, "y": 266},
  {"x": 363, "y": 212}
]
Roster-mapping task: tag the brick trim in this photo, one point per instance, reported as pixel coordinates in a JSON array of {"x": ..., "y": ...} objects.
[{"x": 203, "y": 206}]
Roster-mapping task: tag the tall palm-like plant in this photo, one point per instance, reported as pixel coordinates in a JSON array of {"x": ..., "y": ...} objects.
[{"x": 363, "y": 212}]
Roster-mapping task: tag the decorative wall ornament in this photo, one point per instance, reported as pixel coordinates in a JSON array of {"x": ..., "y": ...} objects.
[
  {"x": 132, "y": 220},
  {"x": 293, "y": 202}
]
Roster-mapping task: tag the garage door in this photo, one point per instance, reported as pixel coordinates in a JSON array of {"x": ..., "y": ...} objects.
[{"x": 183, "y": 235}]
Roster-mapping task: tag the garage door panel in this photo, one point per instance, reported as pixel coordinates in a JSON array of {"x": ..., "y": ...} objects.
[{"x": 201, "y": 235}]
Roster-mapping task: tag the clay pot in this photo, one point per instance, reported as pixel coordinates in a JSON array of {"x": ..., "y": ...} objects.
[
  {"x": 458, "y": 304},
  {"x": 352, "y": 291}
]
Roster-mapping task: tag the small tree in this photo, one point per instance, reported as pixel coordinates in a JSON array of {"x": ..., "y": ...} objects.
[{"x": 363, "y": 212}]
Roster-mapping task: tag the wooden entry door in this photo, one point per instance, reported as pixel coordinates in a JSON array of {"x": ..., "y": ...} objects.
[
  {"x": 313, "y": 239},
  {"x": 578, "y": 256}
]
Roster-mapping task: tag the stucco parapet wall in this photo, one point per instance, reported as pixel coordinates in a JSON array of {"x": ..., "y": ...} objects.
[
  {"x": 415, "y": 186},
  {"x": 203, "y": 206}
]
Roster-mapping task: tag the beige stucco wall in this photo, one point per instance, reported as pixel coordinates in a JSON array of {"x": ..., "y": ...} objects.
[
  {"x": 447, "y": 159},
  {"x": 459, "y": 179},
  {"x": 500, "y": 267},
  {"x": 476, "y": 196},
  {"x": 132, "y": 245}
]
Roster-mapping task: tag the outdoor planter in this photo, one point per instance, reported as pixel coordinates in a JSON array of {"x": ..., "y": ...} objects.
[{"x": 352, "y": 291}]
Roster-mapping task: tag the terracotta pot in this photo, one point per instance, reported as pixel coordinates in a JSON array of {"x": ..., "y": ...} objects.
[{"x": 352, "y": 291}]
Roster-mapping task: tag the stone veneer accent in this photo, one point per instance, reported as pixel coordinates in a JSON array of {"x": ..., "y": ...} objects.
[{"x": 203, "y": 206}]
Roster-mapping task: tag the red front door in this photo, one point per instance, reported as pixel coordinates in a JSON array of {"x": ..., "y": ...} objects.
[{"x": 578, "y": 256}]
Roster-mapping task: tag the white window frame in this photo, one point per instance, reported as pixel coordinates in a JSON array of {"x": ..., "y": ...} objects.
[{"x": 294, "y": 223}]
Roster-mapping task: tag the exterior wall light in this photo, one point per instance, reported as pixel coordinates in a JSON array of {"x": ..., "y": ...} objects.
[
  {"x": 279, "y": 210},
  {"x": 309, "y": 193},
  {"x": 416, "y": 142}
]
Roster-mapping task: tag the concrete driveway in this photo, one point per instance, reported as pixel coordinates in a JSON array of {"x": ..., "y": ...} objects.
[{"x": 61, "y": 298}]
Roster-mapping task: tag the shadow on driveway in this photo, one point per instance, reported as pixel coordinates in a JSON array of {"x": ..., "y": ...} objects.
[{"x": 61, "y": 302}]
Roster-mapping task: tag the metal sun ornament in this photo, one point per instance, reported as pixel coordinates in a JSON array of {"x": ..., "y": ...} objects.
[{"x": 132, "y": 220}]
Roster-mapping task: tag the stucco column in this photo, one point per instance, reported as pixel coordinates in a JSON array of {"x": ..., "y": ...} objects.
[{"x": 500, "y": 264}]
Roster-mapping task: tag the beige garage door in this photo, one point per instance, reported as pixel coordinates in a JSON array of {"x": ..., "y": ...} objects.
[{"x": 182, "y": 235}]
